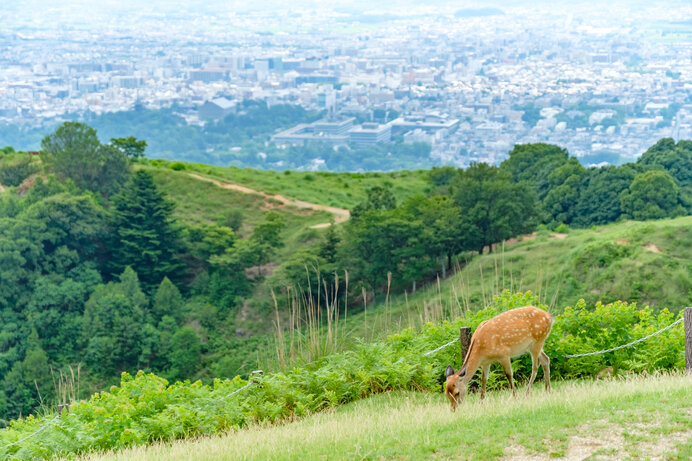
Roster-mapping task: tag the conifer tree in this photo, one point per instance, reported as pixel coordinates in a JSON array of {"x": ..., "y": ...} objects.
[{"x": 143, "y": 234}]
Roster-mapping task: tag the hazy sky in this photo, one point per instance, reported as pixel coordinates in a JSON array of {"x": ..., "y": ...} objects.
[{"x": 85, "y": 12}]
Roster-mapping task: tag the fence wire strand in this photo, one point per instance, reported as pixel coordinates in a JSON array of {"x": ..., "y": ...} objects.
[
  {"x": 628, "y": 344},
  {"x": 34, "y": 433},
  {"x": 637, "y": 341},
  {"x": 441, "y": 347}
]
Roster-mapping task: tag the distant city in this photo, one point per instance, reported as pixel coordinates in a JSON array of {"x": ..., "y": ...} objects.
[{"x": 472, "y": 82}]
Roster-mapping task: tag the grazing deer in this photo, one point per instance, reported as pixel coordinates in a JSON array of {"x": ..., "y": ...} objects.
[{"x": 498, "y": 340}]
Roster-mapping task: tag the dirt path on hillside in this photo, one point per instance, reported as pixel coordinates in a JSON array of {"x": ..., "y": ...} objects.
[{"x": 340, "y": 214}]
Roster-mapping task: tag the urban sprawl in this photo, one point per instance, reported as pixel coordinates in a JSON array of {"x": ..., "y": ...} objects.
[{"x": 470, "y": 82}]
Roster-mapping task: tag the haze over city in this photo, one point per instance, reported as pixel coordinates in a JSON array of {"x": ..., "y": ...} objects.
[{"x": 469, "y": 80}]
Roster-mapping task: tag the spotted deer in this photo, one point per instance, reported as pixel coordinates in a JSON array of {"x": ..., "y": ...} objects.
[{"x": 507, "y": 335}]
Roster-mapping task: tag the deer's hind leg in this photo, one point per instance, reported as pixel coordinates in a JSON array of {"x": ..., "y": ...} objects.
[
  {"x": 484, "y": 379},
  {"x": 545, "y": 363},
  {"x": 535, "y": 362},
  {"x": 506, "y": 363}
]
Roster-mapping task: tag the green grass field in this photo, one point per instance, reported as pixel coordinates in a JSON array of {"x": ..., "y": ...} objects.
[
  {"x": 343, "y": 190},
  {"x": 198, "y": 202},
  {"x": 635, "y": 418}
]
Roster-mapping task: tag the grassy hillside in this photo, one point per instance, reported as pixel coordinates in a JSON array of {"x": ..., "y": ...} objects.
[
  {"x": 333, "y": 189},
  {"x": 645, "y": 262},
  {"x": 200, "y": 202},
  {"x": 642, "y": 417}
]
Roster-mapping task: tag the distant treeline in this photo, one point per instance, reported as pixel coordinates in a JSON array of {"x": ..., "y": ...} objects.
[{"x": 239, "y": 139}]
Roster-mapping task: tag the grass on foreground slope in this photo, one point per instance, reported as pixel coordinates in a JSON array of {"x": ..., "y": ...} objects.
[
  {"x": 649, "y": 263},
  {"x": 640, "y": 417}
]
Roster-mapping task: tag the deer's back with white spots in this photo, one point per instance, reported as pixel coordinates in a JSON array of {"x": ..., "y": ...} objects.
[{"x": 507, "y": 335}]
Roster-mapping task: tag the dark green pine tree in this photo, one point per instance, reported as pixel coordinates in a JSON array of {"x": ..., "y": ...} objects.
[{"x": 143, "y": 234}]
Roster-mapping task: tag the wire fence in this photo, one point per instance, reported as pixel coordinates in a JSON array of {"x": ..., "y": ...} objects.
[
  {"x": 40, "y": 429},
  {"x": 570, "y": 356},
  {"x": 637, "y": 341},
  {"x": 440, "y": 348}
]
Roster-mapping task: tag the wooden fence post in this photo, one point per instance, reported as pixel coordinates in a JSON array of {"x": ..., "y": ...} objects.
[
  {"x": 464, "y": 340},
  {"x": 688, "y": 338}
]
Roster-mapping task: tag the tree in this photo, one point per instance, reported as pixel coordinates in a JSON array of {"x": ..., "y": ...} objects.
[
  {"x": 329, "y": 247},
  {"x": 143, "y": 233},
  {"x": 382, "y": 242},
  {"x": 599, "y": 200},
  {"x": 56, "y": 309},
  {"x": 73, "y": 222},
  {"x": 676, "y": 159},
  {"x": 442, "y": 176},
  {"x": 132, "y": 147},
  {"x": 652, "y": 195},
  {"x": 74, "y": 152},
  {"x": 267, "y": 237},
  {"x": 168, "y": 301},
  {"x": 565, "y": 186},
  {"x": 534, "y": 163},
  {"x": 29, "y": 381},
  {"x": 15, "y": 173},
  {"x": 184, "y": 354},
  {"x": 379, "y": 198},
  {"x": 112, "y": 327},
  {"x": 445, "y": 232},
  {"x": 495, "y": 206}
]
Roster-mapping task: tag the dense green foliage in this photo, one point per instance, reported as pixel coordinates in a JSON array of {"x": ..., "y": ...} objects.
[
  {"x": 144, "y": 236},
  {"x": 15, "y": 170},
  {"x": 146, "y": 408},
  {"x": 74, "y": 152},
  {"x": 656, "y": 186}
]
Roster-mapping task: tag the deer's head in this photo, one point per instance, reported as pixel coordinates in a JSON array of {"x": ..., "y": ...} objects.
[{"x": 455, "y": 387}]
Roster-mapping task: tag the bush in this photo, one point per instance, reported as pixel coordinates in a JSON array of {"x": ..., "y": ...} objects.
[
  {"x": 177, "y": 166},
  {"x": 15, "y": 173},
  {"x": 562, "y": 228},
  {"x": 598, "y": 255}
]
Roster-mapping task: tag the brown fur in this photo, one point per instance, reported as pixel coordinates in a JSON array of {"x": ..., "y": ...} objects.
[{"x": 507, "y": 335}]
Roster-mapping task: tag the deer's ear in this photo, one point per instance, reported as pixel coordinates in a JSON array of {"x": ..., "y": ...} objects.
[
  {"x": 462, "y": 372},
  {"x": 449, "y": 371}
]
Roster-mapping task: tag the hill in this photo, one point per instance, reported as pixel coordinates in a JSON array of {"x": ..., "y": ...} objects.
[
  {"x": 640, "y": 417},
  {"x": 644, "y": 262},
  {"x": 111, "y": 262}
]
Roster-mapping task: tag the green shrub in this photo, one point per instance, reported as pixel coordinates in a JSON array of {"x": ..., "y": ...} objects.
[
  {"x": 177, "y": 166},
  {"x": 15, "y": 173},
  {"x": 597, "y": 255},
  {"x": 562, "y": 228}
]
